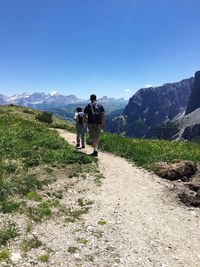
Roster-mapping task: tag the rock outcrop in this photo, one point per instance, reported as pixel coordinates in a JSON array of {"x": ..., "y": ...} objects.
[
  {"x": 178, "y": 169},
  {"x": 189, "y": 123},
  {"x": 150, "y": 107},
  {"x": 171, "y": 111},
  {"x": 194, "y": 101}
]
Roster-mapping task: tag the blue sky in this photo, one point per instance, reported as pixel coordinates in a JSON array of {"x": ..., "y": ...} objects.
[{"x": 107, "y": 47}]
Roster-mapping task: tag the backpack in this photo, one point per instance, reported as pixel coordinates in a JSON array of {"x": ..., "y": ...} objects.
[
  {"x": 95, "y": 112},
  {"x": 80, "y": 118}
]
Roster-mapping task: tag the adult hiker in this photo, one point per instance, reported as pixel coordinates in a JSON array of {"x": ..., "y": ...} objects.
[{"x": 95, "y": 117}]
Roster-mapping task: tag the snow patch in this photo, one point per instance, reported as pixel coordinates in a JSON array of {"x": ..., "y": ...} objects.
[{"x": 54, "y": 93}]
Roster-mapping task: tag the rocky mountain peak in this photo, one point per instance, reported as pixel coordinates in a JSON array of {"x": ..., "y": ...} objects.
[{"x": 194, "y": 100}]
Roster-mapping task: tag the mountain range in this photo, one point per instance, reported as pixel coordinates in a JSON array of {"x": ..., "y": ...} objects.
[
  {"x": 170, "y": 111},
  {"x": 60, "y": 105},
  {"x": 39, "y": 100}
]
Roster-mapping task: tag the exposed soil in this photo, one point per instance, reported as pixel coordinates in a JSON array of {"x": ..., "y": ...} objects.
[{"x": 146, "y": 223}]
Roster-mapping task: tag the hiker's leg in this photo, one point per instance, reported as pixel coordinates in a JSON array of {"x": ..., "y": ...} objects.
[
  {"x": 95, "y": 144},
  {"x": 96, "y": 135},
  {"x": 90, "y": 128},
  {"x": 78, "y": 135},
  {"x": 83, "y": 138},
  {"x": 78, "y": 139}
]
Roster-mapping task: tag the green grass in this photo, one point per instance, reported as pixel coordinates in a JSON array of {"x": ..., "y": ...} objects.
[
  {"x": 32, "y": 144},
  {"x": 98, "y": 179},
  {"x": 102, "y": 222},
  {"x": 34, "y": 196},
  {"x": 145, "y": 152},
  {"x": 7, "y": 232},
  {"x": 26, "y": 144},
  {"x": 76, "y": 215},
  {"x": 84, "y": 202},
  {"x": 4, "y": 255},
  {"x": 44, "y": 257},
  {"x": 42, "y": 211},
  {"x": 72, "y": 250},
  {"x": 82, "y": 241},
  {"x": 31, "y": 243},
  {"x": 89, "y": 258}
]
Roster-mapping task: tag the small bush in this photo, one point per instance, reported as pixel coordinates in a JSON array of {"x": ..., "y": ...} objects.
[
  {"x": 44, "y": 117},
  {"x": 29, "y": 111}
]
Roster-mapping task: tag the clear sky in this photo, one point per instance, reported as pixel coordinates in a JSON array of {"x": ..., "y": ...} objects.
[{"x": 107, "y": 47}]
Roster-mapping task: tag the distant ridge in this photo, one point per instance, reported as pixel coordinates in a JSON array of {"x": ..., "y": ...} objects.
[
  {"x": 60, "y": 105},
  {"x": 39, "y": 100}
]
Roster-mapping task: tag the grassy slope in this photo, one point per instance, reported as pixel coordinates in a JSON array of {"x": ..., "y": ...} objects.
[
  {"x": 145, "y": 152},
  {"x": 26, "y": 144},
  {"x": 32, "y": 157},
  {"x": 30, "y": 151}
]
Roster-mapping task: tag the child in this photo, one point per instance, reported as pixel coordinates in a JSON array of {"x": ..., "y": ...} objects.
[{"x": 80, "y": 128}]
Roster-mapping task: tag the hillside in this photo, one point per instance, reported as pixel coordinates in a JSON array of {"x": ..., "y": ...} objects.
[{"x": 54, "y": 211}]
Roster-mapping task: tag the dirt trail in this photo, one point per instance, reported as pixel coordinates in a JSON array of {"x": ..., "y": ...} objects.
[{"x": 145, "y": 222}]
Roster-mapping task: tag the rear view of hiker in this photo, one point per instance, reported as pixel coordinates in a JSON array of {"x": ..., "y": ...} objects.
[
  {"x": 95, "y": 116},
  {"x": 80, "y": 128}
]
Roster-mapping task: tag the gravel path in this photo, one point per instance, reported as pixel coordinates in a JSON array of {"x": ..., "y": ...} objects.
[{"x": 145, "y": 224}]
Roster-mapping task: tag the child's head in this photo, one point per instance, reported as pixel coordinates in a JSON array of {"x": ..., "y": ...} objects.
[{"x": 79, "y": 109}]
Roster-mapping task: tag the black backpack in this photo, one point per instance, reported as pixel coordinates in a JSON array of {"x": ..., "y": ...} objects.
[
  {"x": 95, "y": 112},
  {"x": 80, "y": 119}
]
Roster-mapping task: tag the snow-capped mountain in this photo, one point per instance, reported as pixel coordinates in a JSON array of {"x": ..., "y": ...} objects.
[
  {"x": 2, "y": 100},
  {"x": 39, "y": 100},
  {"x": 54, "y": 100}
]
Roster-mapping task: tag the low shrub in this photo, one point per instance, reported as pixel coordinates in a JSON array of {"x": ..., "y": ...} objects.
[{"x": 44, "y": 117}]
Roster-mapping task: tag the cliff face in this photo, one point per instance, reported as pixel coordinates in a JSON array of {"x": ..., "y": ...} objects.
[
  {"x": 189, "y": 124},
  {"x": 152, "y": 106},
  {"x": 194, "y": 100}
]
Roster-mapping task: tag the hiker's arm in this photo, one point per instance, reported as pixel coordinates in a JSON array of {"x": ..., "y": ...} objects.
[
  {"x": 85, "y": 118},
  {"x": 75, "y": 117},
  {"x": 103, "y": 117}
]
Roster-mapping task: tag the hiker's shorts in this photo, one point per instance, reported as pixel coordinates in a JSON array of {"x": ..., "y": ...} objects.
[{"x": 94, "y": 131}]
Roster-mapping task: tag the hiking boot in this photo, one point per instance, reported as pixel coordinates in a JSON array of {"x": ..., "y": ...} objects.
[
  {"x": 77, "y": 145},
  {"x": 94, "y": 154},
  {"x": 83, "y": 146}
]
